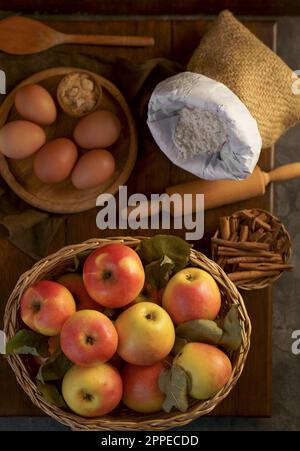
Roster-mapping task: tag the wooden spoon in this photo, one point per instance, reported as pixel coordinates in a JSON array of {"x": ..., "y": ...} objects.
[{"x": 22, "y": 36}]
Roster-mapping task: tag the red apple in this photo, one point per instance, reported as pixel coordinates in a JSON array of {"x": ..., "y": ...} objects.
[
  {"x": 140, "y": 387},
  {"x": 74, "y": 283},
  {"x": 208, "y": 367},
  {"x": 53, "y": 343},
  {"x": 92, "y": 392},
  {"x": 146, "y": 334},
  {"x": 88, "y": 338},
  {"x": 113, "y": 275},
  {"x": 191, "y": 294},
  {"x": 45, "y": 306},
  {"x": 149, "y": 294}
]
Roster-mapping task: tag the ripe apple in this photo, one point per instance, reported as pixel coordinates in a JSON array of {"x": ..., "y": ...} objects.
[
  {"x": 92, "y": 392},
  {"x": 53, "y": 343},
  {"x": 192, "y": 294},
  {"x": 45, "y": 306},
  {"x": 208, "y": 367},
  {"x": 113, "y": 275},
  {"x": 146, "y": 334},
  {"x": 140, "y": 387},
  {"x": 88, "y": 338},
  {"x": 74, "y": 283},
  {"x": 147, "y": 294}
]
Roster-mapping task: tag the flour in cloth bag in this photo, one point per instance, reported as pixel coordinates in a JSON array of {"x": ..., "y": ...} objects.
[
  {"x": 203, "y": 127},
  {"x": 199, "y": 131}
]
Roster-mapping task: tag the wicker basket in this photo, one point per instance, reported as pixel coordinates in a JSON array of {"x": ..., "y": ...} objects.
[
  {"x": 263, "y": 282},
  {"x": 122, "y": 418}
]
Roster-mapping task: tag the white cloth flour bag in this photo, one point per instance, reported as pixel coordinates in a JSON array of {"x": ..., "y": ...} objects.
[{"x": 203, "y": 127}]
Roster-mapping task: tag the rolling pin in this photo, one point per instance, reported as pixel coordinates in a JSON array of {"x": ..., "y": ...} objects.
[{"x": 223, "y": 192}]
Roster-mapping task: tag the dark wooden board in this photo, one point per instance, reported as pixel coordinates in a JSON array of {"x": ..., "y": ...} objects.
[
  {"x": 174, "y": 39},
  {"x": 151, "y": 7}
]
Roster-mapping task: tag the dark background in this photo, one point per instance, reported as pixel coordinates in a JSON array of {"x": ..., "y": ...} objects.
[{"x": 286, "y": 299}]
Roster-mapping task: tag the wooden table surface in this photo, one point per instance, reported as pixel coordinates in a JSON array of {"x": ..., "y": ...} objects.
[{"x": 175, "y": 39}]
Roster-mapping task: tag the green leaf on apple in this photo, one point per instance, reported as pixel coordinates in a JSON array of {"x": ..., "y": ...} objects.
[
  {"x": 200, "y": 330},
  {"x": 51, "y": 394},
  {"x": 174, "y": 383},
  {"x": 226, "y": 333},
  {"x": 54, "y": 368},
  {"x": 28, "y": 342},
  {"x": 232, "y": 330},
  {"x": 78, "y": 259},
  {"x": 159, "y": 272},
  {"x": 163, "y": 256}
]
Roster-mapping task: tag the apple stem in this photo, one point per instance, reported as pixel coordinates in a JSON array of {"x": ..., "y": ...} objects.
[
  {"x": 87, "y": 396},
  {"x": 150, "y": 316},
  {"x": 107, "y": 275},
  {"x": 36, "y": 306},
  {"x": 89, "y": 340}
]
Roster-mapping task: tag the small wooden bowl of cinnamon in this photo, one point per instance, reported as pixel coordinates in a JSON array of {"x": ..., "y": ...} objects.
[{"x": 253, "y": 247}]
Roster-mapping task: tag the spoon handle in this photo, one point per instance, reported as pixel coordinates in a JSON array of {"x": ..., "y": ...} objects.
[{"x": 123, "y": 41}]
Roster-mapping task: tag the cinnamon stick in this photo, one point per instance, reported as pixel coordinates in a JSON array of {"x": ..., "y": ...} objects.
[
  {"x": 263, "y": 224},
  {"x": 258, "y": 234},
  {"x": 250, "y": 275},
  {"x": 224, "y": 227},
  {"x": 227, "y": 251},
  {"x": 233, "y": 225},
  {"x": 251, "y": 245},
  {"x": 265, "y": 266},
  {"x": 250, "y": 259},
  {"x": 245, "y": 246},
  {"x": 244, "y": 232}
]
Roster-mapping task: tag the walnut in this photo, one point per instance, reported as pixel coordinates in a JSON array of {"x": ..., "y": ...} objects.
[{"x": 78, "y": 94}]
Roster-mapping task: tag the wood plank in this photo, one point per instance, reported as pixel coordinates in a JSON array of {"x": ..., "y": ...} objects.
[
  {"x": 153, "y": 172},
  {"x": 154, "y": 7}
]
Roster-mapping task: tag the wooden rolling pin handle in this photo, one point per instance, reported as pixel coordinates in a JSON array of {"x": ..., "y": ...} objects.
[
  {"x": 282, "y": 173},
  {"x": 122, "y": 41}
]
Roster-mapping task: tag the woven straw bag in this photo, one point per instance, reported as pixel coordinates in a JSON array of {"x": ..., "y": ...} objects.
[
  {"x": 122, "y": 418},
  {"x": 232, "y": 55}
]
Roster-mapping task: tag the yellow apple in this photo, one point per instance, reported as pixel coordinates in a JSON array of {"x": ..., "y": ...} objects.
[
  {"x": 92, "y": 392},
  {"x": 146, "y": 334},
  {"x": 208, "y": 367}
]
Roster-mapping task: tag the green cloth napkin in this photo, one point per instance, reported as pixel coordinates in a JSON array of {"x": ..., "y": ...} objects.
[{"x": 32, "y": 230}]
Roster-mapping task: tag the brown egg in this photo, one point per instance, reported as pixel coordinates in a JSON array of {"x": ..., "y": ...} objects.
[
  {"x": 55, "y": 160},
  {"x": 19, "y": 139},
  {"x": 97, "y": 130},
  {"x": 35, "y": 103},
  {"x": 93, "y": 168}
]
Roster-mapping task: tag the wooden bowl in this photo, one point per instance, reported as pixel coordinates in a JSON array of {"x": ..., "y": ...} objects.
[
  {"x": 260, "y": 281},
  {"x": 64, "y": 197}
]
